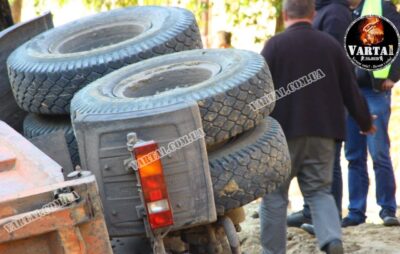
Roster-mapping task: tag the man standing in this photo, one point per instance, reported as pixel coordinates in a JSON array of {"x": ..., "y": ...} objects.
[
  {"x": 333, "y": 17},
  {"x": 376, "y": 88},
  {"x": 312, "y": 117}
]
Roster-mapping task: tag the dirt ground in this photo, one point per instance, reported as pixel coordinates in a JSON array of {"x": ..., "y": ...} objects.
[
  {"x": 364, "y": 239},
  {"x": 368, "y": 238}
]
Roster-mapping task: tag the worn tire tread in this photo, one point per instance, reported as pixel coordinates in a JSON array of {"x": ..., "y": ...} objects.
[
  {"x": 241, "y": 173},
  {"x": 35, "y": 126}
]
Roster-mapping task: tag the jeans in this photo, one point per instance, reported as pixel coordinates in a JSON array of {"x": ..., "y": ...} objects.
[
  {"x": 379, "y": 148},
  {"x": 312, "y": 164}
]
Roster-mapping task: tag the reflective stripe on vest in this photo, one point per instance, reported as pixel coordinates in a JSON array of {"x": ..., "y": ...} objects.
[{"x": 374, "y": 7}]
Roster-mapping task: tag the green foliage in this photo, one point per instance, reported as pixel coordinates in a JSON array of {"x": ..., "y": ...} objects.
[
  {"x": 99, "y": 5},
  {"x": 277, "y": 4},
  {"x": 39, "y": 5},
  {"x": 62, "y": 2},
  {"x": 198, "y": 8},
  {"x": 253, "y": 13}
]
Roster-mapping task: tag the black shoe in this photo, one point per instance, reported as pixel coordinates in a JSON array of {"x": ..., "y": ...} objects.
[
  {"x": 389, "y": 218},
  {"x": 390, "y": 221},
  {"x": 347, "y": 222},
  {"x": 309, "y": 228},
  {"x": 334, "y": 247},
  {"x": 297, "y": 219}
]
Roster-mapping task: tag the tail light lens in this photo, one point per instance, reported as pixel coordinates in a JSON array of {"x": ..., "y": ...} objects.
[{"x": 153, "y": 185}]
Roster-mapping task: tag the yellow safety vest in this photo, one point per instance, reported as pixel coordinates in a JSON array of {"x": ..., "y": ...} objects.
[{"x": 374, "y": 7}]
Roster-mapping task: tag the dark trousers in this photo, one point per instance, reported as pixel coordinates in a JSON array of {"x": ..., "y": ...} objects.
[
  {"x": 337, "y": 183},
  {"x": 312, "y": 164}
]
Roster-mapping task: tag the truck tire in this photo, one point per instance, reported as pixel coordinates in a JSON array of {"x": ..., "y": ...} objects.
[
  {"x": 35, "y": 126},
  {"x": 10, "y": 39},
  {"x": 223, "y": 82},
  {"x": 249, "y": 166},
  {"x": 48, "y": 70}
]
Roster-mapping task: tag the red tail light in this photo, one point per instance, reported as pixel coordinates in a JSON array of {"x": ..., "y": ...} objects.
[{"x": 153, "y": 185}]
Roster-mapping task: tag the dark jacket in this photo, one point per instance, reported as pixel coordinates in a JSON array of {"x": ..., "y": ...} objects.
[
  {"x": 366, "y": 78},
  {"x": 317, "y": 109},
  {"x": 333, "y": 17}
]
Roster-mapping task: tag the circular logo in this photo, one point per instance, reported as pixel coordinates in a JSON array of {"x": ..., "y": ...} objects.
[{"x": 372, "y": 42}]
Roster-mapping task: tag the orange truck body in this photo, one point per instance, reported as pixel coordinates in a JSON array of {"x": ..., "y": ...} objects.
[{"x": 29, "y": 180}]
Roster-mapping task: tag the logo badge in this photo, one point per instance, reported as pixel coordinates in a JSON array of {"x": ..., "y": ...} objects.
[{"x": 372, "y": 42}]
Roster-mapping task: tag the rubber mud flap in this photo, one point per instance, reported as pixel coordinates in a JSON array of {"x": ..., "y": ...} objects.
[{"x": 177, "y": 130}]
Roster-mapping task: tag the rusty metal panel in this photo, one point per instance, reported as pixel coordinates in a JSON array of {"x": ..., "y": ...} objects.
[
  {"x": 22, "y": 165},
  {"x": 10, "y": 39},
  {"x": 76, "y": 228},
  {"x": 33, "y": 220}
]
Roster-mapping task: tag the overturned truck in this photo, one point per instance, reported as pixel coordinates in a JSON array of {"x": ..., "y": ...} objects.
[{"x": 163, "y": 126}]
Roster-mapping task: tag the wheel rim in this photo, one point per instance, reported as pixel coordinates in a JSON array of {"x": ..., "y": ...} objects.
[
  {"x": 166, "y": 78},
  {"x": 99, "y": 37}
]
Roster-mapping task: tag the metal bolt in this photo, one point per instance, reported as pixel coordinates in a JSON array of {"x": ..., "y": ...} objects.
[
  {"x": 106, "y": 167},
  {"x": 79, "y": 174},
  {"x": 132, "y": 137},
  {"x": 127, "y": 164},
  {"x": 133, "y": 165},
  {"x": 114, "y": 213}
]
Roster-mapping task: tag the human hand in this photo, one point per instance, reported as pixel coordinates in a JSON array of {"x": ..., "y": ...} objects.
[
  {"x": 387, "y": 85},
  {"x": 373, "y": 128}
]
